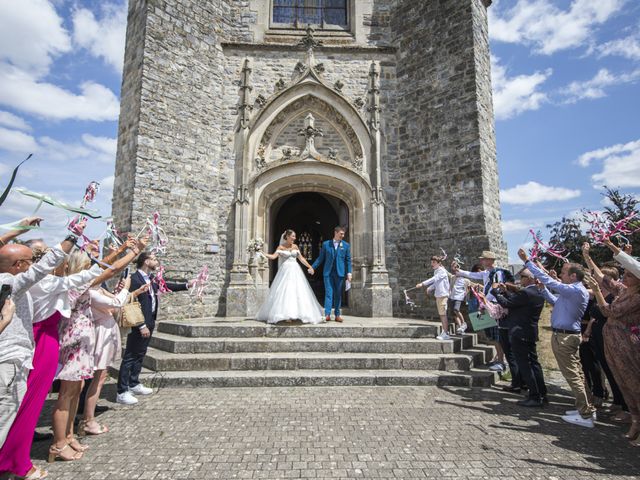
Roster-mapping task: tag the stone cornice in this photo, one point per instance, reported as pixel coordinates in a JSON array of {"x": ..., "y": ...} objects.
[{"x": 278, "y": 47}]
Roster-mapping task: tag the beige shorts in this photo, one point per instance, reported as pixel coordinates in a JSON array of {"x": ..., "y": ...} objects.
[{"x": 441, "y": 302}]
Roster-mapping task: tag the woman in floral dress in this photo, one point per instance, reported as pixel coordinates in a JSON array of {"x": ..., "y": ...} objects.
[{"x": 77, "y": 344}]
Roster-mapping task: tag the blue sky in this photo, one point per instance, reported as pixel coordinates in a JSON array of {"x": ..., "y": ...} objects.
[{"x": 566, "y": 79}]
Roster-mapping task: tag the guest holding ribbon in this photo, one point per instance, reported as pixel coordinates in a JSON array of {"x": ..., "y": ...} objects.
[
  {"x": 569, "y": 300},
  {"x": 107, "y": 346},
  {"x": 77, "y": 345},
  {"x": 622, "y": 341},
  {"x": 138, "y": 339},
  {"x": 439, "y": 282}
]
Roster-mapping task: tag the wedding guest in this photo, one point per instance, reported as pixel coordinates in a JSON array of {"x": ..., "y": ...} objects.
[
  {"x": 107, "y": 347},
  {"x": 459, "y": 288},
  {"x": 596, "y": 333},
  {"x": 440, "y": 284},
  {"x": 16, "y": 340},
  {"x": 622, "y": 339},
  {"x": 489, "y": 275},
  {"x": 624, "y": 258},
  {"x": 6, "y": 315},
  {"x": 139, "y": 337},
  {"x": 50, "y": 303},
  {"x": 569, "y": 304},
  {"x": 77, "y": 344},
  {"x": 525, "y": 306}
]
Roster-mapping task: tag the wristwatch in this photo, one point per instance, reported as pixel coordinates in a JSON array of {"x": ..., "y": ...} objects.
[{"x": 71, "y": 238}]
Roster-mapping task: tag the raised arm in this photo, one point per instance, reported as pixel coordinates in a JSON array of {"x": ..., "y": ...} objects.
[
  {"x": 135, "y": 247},
  {"x": 471, "y": 275},
  {"x": 12, "y": 234},
  {"x": 597, "y": 273}
]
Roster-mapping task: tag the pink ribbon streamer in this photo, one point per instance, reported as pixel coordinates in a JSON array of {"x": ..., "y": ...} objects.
[
  {"x": 200, "y": 282},
  {"x": 158, "y": 238},
  {"x": 90, "y": 193},
  {"x": 602, "y": 229},
  {"x": 541, "y": 247},
  {"x": 160, "y": 281}
]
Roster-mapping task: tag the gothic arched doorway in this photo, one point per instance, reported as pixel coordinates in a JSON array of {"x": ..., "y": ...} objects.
[{"x": 313, "y": 217}]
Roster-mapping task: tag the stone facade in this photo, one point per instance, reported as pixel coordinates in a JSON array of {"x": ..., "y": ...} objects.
[{"x": 215, "y": 103}]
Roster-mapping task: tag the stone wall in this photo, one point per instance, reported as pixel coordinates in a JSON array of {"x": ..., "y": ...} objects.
[
  {"x": 445, "y": 176},
  {"x": 180, "y": 114}
]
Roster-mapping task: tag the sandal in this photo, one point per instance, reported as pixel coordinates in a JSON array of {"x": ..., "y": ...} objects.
[
  {"x": 55, "y": 453},
  {"x": 36, "y": 474},
  {"x": 84, "y": 431},
  {"x": 634, "y": 431},
  {"x": 77, "y": 446}
]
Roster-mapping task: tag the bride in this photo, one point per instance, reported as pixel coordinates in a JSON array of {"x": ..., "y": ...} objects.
[{"x": 290, "y": 296}]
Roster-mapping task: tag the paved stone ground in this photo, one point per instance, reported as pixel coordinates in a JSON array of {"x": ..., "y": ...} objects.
[{"x": 345, "y": 432}]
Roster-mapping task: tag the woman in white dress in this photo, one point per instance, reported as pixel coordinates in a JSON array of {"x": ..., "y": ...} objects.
[{"x": 290, "y": 296}]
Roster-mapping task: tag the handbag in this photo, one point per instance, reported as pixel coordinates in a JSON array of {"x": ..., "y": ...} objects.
[{"x": 131, "y": 314}]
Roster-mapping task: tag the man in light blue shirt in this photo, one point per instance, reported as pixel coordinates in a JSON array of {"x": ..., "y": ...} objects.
[{"x": 569, "y": 300}]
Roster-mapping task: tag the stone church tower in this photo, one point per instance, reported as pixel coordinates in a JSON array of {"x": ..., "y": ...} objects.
[{"x": 238, "y": 121}]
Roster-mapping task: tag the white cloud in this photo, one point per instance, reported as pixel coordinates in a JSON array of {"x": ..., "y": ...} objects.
[
  {"x": 533, "y": 192},
  {"x": 13, "y": 121},
  {"x": 596, "y": 87},
  {"x": 586, "y": 158},
  {"x": 628, "y": 47},
  {"x": 511, "y": 226},
  {"x": 107, "y": 183},
  {"x": 514, "y": 95},
  {"x": 104, "y": 37},
  {"x": 91, "y": 149},
  {"x": 547, "y": 28},
  {"x": 16, "y": 141},
  {"x": 620, "y": 165},
  {"x": 26, "y": 93},
  {"x": 31, "y": 34}
]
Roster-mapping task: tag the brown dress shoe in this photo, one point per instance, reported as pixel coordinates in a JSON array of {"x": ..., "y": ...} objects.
[
  {"x": 338, "y": 319},
  {"x": 327, "y": 318}
]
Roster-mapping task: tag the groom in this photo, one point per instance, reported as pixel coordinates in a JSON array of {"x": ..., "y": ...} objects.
[{"x": 335, "y": 257}]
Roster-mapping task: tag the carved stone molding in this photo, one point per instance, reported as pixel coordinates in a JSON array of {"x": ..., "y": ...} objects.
[
  {"x": 245, "y": 89},
  {"x": 260, "y": 160},
  {"x": 241, "y": 194},
  {"x": 280, "y": 85},
  {"x": 314, "y": 104},
  {"x": 338, "y": 86},
  {"x": 261, "y": 101}
]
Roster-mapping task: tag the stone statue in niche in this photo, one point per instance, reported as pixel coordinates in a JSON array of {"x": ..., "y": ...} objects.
[
  {"x": 260, "y": 160},
  {"x": 310, "y": 132}
]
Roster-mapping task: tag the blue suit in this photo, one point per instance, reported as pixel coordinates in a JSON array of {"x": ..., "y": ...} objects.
[{"x": 336, "y": 264}]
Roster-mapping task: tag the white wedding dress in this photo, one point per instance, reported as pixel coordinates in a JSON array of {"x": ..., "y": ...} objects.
[{"x": 290, "y": 296}]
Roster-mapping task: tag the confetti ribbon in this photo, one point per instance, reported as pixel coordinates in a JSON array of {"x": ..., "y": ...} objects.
[
  {"x": 200, "y": 282},
  {"x": 602, "y": 228},
  {"x": 407, "y": 300},
  {"x": 112, "y": 234},
  {"x": 5, "y": 194},
  {"x": 458, "y": 258},
  {"x": 444, "y": 254},
  {"x": 90, "y": 193},
  {"x": 55, "y": 203},
  {"x": 157, "y": 236},
  {"x": 160, "y": 281},
  {"x": 541, "y": 247}
]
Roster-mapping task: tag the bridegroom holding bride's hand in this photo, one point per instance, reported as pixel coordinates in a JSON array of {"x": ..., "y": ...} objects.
[{"x": 335, "y": 257}]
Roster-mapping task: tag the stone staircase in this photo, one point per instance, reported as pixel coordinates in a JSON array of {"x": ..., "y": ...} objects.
[{"x": 224, "y": 352}]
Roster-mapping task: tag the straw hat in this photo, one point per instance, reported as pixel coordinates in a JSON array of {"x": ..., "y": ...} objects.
[{"x": 488, "y": 254}]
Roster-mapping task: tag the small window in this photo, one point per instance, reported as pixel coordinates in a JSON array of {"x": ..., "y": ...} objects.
[{"x": 319, "y": 13}]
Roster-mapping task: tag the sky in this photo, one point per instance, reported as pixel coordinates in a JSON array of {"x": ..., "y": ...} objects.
[{"x": 566, "y": 77}]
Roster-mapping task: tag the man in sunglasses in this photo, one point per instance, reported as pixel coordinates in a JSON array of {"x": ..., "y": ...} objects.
[{"x": 18, "y": 270}]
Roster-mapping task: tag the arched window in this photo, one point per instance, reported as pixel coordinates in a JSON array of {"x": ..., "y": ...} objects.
[{"x": 319, "y": 13}]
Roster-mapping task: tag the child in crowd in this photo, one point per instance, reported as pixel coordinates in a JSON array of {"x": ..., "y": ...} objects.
[
  {"x": 457, "y": 297},
  {"x": 439, "y": 283}
]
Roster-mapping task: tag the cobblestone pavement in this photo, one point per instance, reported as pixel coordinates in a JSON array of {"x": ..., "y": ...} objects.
[{"x": 344, "y": 432}]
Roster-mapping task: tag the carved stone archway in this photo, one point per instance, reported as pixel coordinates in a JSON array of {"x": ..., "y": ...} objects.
[{"x": 262, "y": 178}]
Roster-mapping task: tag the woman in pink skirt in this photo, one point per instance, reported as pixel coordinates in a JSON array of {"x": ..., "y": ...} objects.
[{"x": 108, "y": 347}]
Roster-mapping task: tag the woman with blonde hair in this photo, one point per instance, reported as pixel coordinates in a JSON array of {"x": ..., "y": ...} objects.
[
  {"x": 108, "y": 346},
  {"x": 77, "y": 345}
]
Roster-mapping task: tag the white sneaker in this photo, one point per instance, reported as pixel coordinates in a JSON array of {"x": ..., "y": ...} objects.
[
  {"x": 460, "y": 330},
  {"x": 140, "y": 389},
  {"x": 126, "y": 398},
  {"x": 443, "y": 336},
  {"x": 463, "y": 327},
  {"x": 573, "y": 413},
  {"x": 578, "y": 420}
]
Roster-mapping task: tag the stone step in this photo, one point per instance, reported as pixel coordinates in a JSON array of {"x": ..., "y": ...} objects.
[
  {"x": 179, "y": 344},
  {"x": 314, "y": 378},
  {"x": 248, "y": 328},
  {"x": 165, "y": 361}
]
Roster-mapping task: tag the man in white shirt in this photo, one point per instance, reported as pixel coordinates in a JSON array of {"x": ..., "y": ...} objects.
[
  {"x": 16, "y": 341},
  {"x": 440, "y": 285}
]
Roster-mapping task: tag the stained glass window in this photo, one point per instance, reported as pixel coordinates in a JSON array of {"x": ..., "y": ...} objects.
[{"x": 300, "y": 13}]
